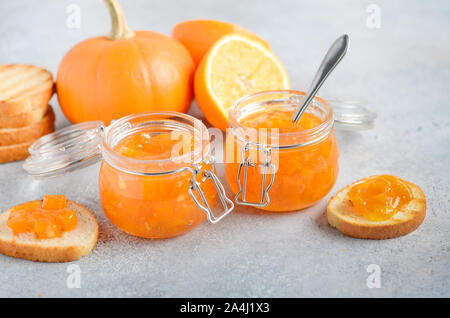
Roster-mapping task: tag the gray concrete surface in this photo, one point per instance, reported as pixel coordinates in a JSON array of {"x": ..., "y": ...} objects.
[{"x": 402, "y": 69}]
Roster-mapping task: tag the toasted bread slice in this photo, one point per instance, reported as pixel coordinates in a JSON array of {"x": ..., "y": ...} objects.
[
  {"x": 13, "y": 136},
  {"x": 23, "y": 88},
  {"x": 23, "y": 119},
  {"x": 14, "y": 152},
  {"x": 341, "y": 215},
  {"x": 69, "y": 247}
]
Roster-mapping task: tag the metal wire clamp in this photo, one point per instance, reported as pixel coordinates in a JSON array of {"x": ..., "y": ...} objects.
[
  {"x": 267, "y": 168},
  {"x": 227, "y": 204}
]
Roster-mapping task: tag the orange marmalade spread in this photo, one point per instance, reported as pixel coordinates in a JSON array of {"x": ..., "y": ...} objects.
[
  {"x": 281, "y": 119},
  {"x": 379, "y": 198},
  {"x": 154, "y": 206},
  {"x": 49, "y": 219},
  {"x": 304, "y": 174},
  {"x": 145, "y": 146}
]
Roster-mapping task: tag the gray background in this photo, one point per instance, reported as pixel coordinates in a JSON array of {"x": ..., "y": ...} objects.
[{"x": 402, "y": 69}]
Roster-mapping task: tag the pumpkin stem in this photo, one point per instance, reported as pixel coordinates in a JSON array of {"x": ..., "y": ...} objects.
[{"x": 119, "y": 27}]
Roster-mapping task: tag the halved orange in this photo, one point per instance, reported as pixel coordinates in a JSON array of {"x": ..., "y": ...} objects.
[
  {"x": 199, "y": 35},
  {"x": 236, "y": 65}
]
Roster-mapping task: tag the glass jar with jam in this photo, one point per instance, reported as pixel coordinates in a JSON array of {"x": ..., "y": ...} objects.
[
  {"x": 273, "y": 163},
  {"x": 157, "y": 178}
]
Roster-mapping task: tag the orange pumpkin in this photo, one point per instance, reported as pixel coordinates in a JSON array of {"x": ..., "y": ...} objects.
[{"x": 105, "y": 78}]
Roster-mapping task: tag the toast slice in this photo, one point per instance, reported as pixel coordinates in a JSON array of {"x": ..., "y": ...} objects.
[
  {"x": 69, "y": 247},
  {"x": 23, "y": 88},
  {"x": 14, "y": 152},
  {"x": 13, "y": 136},
  {"x": 23, "y": 119},
  {"x": 341, "y": 215}
]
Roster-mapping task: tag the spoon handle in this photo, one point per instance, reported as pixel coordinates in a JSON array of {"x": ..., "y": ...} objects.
[{"x": 334, "y": 55}]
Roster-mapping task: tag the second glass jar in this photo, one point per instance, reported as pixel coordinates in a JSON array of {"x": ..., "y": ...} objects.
[{"x": 283, "y": 169}]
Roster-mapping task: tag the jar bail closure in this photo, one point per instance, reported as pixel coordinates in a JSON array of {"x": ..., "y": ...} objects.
[
  {"x": 227, "y": 204},
  {"x": 267, "y": 168}
]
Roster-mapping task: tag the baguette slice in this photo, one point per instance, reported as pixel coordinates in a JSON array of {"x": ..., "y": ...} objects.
[
  {"x": 13, "y": 136},
  {"x": 14, "y": 152},
  {"x": 24, "y": 88},
  {"x": 23, "y": 119},
  {"x": 341, "y": 215},
  {"x": 69, "y": 247}
]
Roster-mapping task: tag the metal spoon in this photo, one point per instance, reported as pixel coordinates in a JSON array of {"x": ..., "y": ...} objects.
[{"x": 334, "y": 55}]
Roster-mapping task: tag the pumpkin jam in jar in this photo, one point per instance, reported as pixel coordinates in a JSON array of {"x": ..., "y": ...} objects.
[
  {"x": 144, "y": 180},
  {"x": 47, "y": 219},
  {"x": 304, "y": 155},
  {"x": 379, "y": 198}
]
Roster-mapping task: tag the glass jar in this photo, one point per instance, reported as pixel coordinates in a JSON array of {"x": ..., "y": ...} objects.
[
  {"x": 280, "y": 171},
  {"x": 151, "y": 198}
]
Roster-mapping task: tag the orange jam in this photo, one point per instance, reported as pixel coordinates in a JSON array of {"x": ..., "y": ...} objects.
[
  {"x": 281, "y": 119},
  {"x": 154, "y": 206},
  {"x": 144, "y": 146},
  {"x": 304, "y": 174},
  {"x": 49, "y": 219},
  {"x": 380, "y": 197}
]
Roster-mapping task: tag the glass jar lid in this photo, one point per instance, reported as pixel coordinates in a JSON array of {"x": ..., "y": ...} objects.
[
  {"x": 351, "y": 114},
  {"x": 65, "y": 149}
]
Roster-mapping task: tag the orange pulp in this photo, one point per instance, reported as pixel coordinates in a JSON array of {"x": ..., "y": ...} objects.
[
  {"x": 155, "y": 206},
  {"x": 281, "y": 119},
  {"x": 304, "y": 174},
  {"x": 379, "y": 198},
  {"x": 145, "y": 146},
  {"x": 49, "y": 219}
]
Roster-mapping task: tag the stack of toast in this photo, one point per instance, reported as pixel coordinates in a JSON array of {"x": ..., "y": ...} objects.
[{"x": 25, "y": 115}]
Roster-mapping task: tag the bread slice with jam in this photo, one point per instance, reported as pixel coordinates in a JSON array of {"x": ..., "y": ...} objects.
[
  {"x": 71, "y": 246},
  {"x": 342, "y": 215}
]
